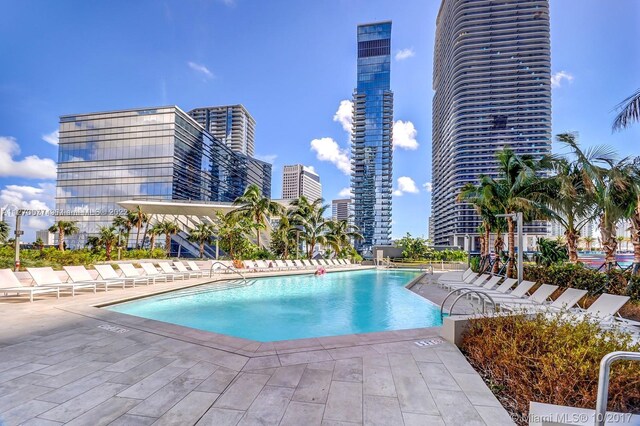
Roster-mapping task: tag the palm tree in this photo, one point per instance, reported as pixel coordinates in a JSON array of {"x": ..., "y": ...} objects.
[
  {"x": 108, "y": 236},
  {"x": 517, "y": 189},
  {"x": 313, "y": 226},
  {"x": 63, "y": 228},
  {"x": 168, "y": 229},
  {"x": 570, "y": 192},
  {"x": 153, "y": 232},
  {"x": 283, "y": 237},
  {"x": 474, "y": 195},
  {"x": 256, "y": 207},
  {"x": 124, "y": 225},
  {"x": 232, "y": 231},
  {"x": 4, "y": 231},
  {"x": 202, "y": 234},
  {"x": 629, "y": 112},
  {"x": 340, "y": 234},
  {"x": 139, "y": 219},
  {"x": 588, "y": 241},
  {"x": 300, "y": 209}
]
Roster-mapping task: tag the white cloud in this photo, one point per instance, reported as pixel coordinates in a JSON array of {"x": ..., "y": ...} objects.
[
  {"x": 328, "y": 150},
  {"x": 406, "y": 185},
  {"x": 344, "y": 115},
  {"x": 556, "y": 79},
  {"x": 41, "y": 197},
  {"x": 52, "y": 137},
  {"x": 403, "y": 54},
  {"x": 404, "y": 135},
  {"x": 201, "y": 69},
  {"x": 345, "y": 192},
  {"x": 428, "y": 186},
  {"x": 267, "y": 158},
  {"x": 31, "y": 167}
]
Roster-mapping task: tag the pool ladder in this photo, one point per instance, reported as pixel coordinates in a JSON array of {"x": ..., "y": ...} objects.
[
  {"x": 226, "y": 267},
  {"x": 464, "y": 292}
]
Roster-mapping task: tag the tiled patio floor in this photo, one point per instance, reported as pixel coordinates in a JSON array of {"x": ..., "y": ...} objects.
[{"x": 67, "y": 362}]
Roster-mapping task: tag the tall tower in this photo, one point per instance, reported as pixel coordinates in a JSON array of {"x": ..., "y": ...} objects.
[
  {"x": 371, "y": 139},
  {"x": 232, "y": 124},
  {"x": 298, "y": 181},
  {"x": 491, "y": 77}
]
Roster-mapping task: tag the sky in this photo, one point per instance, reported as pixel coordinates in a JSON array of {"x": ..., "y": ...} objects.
[{"x": 292, "y": 64}]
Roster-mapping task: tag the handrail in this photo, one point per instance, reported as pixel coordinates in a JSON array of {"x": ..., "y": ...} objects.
[
  {"x": 466, "y": 290},
  {"x": 228, "y": 267},
  {"x": 603, "y": 381}
]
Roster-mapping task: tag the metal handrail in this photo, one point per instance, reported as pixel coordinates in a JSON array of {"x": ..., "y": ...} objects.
[
  {"x": 603, "y": 381},
  {"x": 466, "y": 291},
  {"x": 228, "y": 267}
]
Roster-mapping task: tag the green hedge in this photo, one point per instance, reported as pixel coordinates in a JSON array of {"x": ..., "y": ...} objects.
[{"x": 578, "y": 276}]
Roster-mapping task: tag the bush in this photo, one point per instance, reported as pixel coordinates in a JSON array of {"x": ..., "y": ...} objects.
[
  {"x": 551, "y": 252},
  {"x": 553, "y": 360}
]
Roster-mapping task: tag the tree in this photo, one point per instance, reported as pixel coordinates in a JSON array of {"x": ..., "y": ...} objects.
[
  {"x": 516, "y": 189},
  {"x": 340, "y": 234},
  {"x": 629, "y": 112},
  {"x": 64, "y": 228},
  {"x": 588, "y": 241},
  {"x": 256, "y": 207},
  {"x": 168, "y": 229},
  {"x": 283, "y": 239},
  {"x": 202, "y": 234},
  {"x": 232, "y": 232},
  {"x": 313, "y": 226},
  {"x": 153, "y": 232},
  {"x": 108, "y": 236},
  {"x": 124, "y": 224},
  {"x": 301, "y": 211},
  {"x": 39, "y": 244},
  {"x": 4, "y": 231},
  {"x": 139, "y": 218},
  {"x": 413, "y": 248},
  {"x": 478, "y": 198}
]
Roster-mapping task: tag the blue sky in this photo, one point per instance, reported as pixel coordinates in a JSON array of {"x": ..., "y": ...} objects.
[{"x": 291, "y": 63}]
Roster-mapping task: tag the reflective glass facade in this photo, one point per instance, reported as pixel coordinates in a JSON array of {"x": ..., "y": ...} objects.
[
  {"x": 491, "y": 77},
  {"x": 154, "y": 153},
  {"x": 371, "y": 139}
]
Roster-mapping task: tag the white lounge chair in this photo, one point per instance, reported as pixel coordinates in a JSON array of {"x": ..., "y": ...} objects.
[
  {"x": 455, "y": 275},
  {"x": 520, "y": 291},
  {"x": 266, "y": 265},
  {"x": 477, "y": 282},
  {"x": 167, "y": 269},
  {"x": 467, "y": 280},
  {"x": 567, "y": 300},
  {"x": 130, "y": 271},
  {"x": 605, "y": 307},
  {"x": 107, "y": 272},
  {"x": 539, "y": 296},
  {"x": 194, "y": 267},
  {"x": 181, "y": 268},
  {"x": 79, "y": 274},
  {"x": 10, "y": 284},
  {"x": 151, "y": 271},
  {"x": 47, "y": 277}
]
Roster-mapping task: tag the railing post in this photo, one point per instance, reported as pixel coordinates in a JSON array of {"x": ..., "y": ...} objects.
[{"x": 603, "y": 382}]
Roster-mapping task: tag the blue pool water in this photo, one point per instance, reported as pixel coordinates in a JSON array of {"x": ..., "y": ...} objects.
[{"x": 293, "y": 307}]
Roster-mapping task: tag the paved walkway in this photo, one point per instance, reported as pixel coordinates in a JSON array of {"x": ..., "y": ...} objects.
[{"x": 64, "y": 361}]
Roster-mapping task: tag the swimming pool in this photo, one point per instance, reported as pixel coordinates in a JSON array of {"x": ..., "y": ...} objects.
[{"x": 294, "y": 307}]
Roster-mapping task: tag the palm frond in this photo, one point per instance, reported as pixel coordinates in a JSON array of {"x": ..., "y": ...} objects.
[{"x": 629, "y": 112}]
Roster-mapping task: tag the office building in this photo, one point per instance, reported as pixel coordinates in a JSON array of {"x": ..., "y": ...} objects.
[
  {"x": 298, "y": 181},
  {"x": 47, "y": 238},
  {"x": 231, "y": 124},
  {"x": 371, "y": 139},
  {"x": 151, "y": 153},
  {"x": 491, "y": 77},
  {"x": 340, "y": 209}
]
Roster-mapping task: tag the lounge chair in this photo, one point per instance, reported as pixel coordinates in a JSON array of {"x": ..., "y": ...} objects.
[
  {"x": 455, "y": 275},
  {"x": 291, "y": 264},
  {"x": 107, "y": 272},
  {"x": 520, "y": 291},
  {"x": 605, "y": 307},
  {"x": 539, "y": 296},
  {"x": 481, "y": 283},
  {"x": 314, "y": 263},
  {"x": 151, "y": 271},
  {"x": 476, "y": 282},
  {"x": 567, "y": 300},
  {"x": 181, "y": 268},
  {"x": 167, "y": 269},
  {"x": 10, "y": 284},
  {"x": 47, "y": 277},
  {"x": 130, "y": 271},
  {"x": 282, "y": 265},
  {"x": 468, "y": 279},
  {"x": 502, "y": 288},
  {"x": 79, "y": 274},
  {"x": 208, "y": 272}
]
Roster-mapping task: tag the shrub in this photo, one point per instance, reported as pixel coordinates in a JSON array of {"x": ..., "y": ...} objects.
[
  {"x": 551, "y": 252},
  {"x": 550, "y": 359}
]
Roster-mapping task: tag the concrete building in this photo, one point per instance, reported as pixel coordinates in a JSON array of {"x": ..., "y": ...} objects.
[
  {"x": 48, "y": 238},
  {"x": 231, "y": 124},
  {"x": 491, "y": 77},
  {"x": 148, "y": 153},
  {"x": 372, "y": 137},
  {"x": 298, "y": 181},
  {"x": 340, "y": 209}
]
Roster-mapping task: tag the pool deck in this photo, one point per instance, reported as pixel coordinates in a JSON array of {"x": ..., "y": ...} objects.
[{"x": 66, "y": 361}]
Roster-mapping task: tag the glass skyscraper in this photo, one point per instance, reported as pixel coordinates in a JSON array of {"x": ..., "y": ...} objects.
[
  {"x": 491, "y": 77},
  {"x": 152, "y": 153},
  {"x": 371, "y": 139}
]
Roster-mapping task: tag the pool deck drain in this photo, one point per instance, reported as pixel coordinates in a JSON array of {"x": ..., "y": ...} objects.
[{"x": 58, "y": 365}]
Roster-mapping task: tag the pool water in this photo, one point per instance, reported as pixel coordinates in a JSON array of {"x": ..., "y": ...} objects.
[{"x": 293, "y": 307}]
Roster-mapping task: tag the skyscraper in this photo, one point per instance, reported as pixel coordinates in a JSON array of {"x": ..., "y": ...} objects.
[
  {"x": 232, "y": 124},
  {"x": 371, "y": 139},
  {"x": 340, "y": 209},
  {"x": 148, "y": 153},
  {"x": 298, "y": 180},
  {"x": 491, "y": 77}
]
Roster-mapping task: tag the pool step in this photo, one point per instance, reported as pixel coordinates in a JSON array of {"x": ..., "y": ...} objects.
[{"x": 209, "y": 288}]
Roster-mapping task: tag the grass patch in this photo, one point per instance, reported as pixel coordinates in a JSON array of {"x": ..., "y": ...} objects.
[{"x": 551, "y": 359}]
